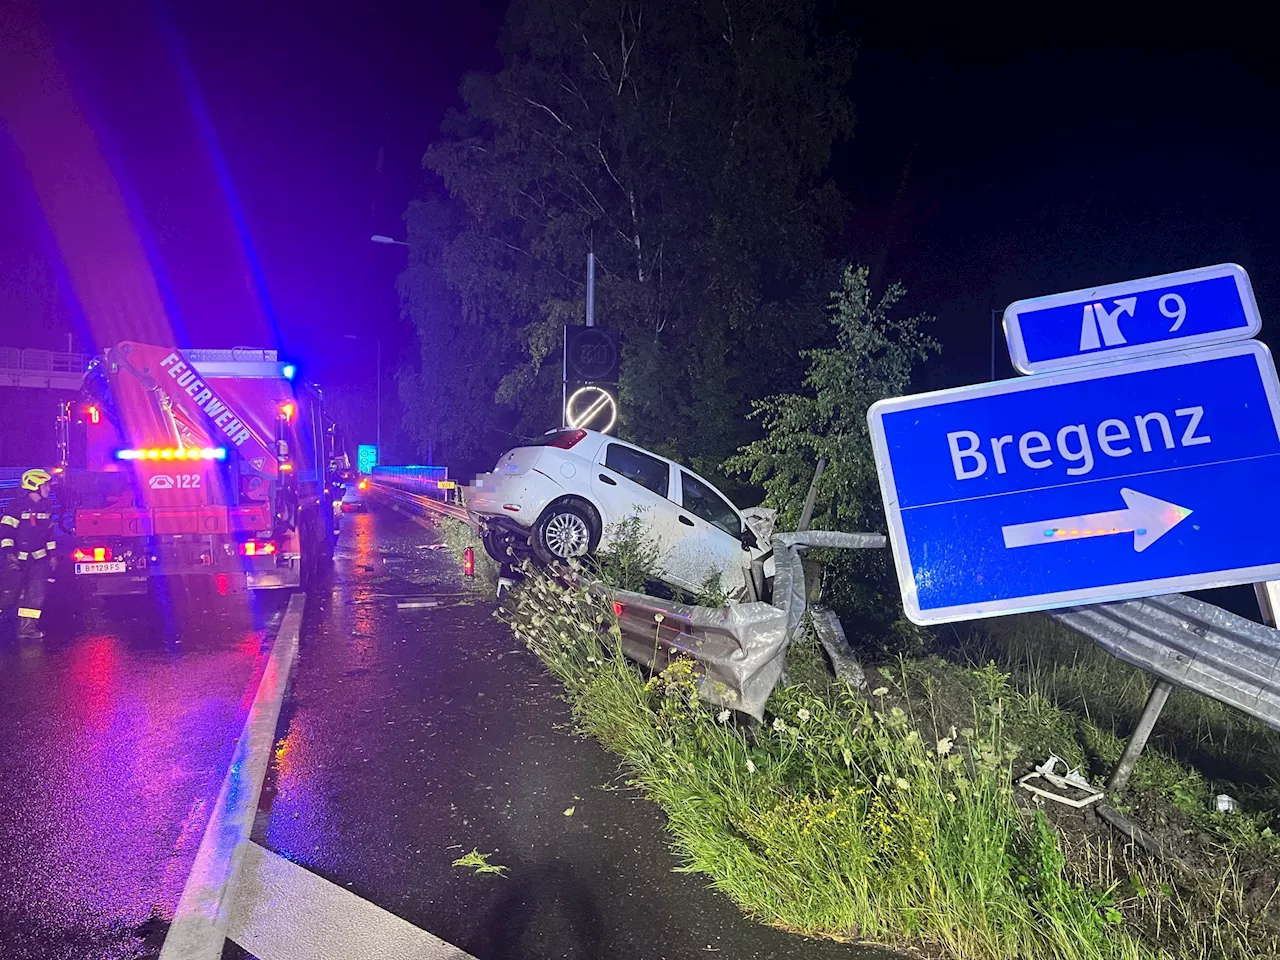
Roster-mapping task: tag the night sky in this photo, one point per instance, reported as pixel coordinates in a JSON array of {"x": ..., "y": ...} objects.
[{"x": 256, "y": 146}]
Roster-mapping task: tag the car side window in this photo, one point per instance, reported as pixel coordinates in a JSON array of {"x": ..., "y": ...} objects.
[
  {"x": 700, "y": 500},
  {"x": 649, "y": 472}
]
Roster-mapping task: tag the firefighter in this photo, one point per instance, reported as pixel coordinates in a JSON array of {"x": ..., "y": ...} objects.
[{"x": 27, "y": 558}]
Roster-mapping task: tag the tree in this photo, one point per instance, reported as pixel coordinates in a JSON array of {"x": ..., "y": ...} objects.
[
  {"x": 874, "y": 356},
  {"x": 686, "y": 142}
]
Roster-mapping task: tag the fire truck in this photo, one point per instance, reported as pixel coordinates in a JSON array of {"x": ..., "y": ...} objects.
[{"x": 216, "y": 463}]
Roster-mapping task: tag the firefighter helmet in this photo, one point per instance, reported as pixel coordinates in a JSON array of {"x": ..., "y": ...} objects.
[{"x": 35, "y": 479}]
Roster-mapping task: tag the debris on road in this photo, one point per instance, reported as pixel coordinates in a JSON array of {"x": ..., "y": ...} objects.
[{"x": 481, "y": 863}]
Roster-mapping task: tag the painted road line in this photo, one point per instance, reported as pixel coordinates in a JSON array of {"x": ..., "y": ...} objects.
[
  {"x": 200, "y": 921},
  {"x": 281, "y": 911}
]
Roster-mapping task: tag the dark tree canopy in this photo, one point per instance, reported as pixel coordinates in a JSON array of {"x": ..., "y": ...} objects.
[{"x": 686, "y": 143}]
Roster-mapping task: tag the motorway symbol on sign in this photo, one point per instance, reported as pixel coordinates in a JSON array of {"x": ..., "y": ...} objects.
[
  {"x": 1131, "y": 480},
  {"x": 1141, "y": 317}
]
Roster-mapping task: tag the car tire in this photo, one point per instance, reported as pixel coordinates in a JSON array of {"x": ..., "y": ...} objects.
[
  {"x": 565, "y": 531},
  {"x": 495, "y": 545}
]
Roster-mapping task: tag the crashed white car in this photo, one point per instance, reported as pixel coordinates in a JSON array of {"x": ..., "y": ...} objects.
[{"x": 562, "y": 495}]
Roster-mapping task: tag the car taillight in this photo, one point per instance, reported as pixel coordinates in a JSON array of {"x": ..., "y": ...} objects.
[
  {"x": 564, "y": 439},
  {"x": 258, "y": 548},
  {"x": 91, "y": 554},
  {"x": 364, "y": 485}
]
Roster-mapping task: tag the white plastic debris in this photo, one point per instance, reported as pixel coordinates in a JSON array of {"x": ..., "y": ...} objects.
[
  {"x": 1226, "y": 804},
  {"x": 1076, "y": 791}
]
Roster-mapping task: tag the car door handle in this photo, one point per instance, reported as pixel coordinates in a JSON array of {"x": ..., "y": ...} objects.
[
  {"x": 685, "y": 520},
  {"x": 609, "y": 480}
]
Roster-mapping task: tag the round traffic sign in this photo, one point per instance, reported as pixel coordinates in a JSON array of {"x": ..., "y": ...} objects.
[{"x": 591, "y": 408}]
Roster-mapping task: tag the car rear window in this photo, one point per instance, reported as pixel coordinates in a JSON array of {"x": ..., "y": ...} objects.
[
  {"x": 649, "y": 472},
  {"x": 700, "y": 500}
]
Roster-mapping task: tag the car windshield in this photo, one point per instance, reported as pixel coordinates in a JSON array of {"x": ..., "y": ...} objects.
[
  {"x": 638, "y": 467},
  {"x": 700, "y": 500}
]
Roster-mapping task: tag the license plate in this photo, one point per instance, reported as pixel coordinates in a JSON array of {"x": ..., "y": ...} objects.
[{"x": 113, "y": 566}]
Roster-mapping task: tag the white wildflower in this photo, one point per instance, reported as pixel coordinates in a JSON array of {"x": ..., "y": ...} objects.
[
  {"x": 803, "y": 714},
  {"x": 751, "y": 767},
  {"x": 945, "y": 745},
  {"x": 658, "y": 618},
  {"x": 902, "y": 784},
  {"x": 879, "y": 691},
  {"x": 779, "y": 725},
  {"x": 722, "y": 716}
]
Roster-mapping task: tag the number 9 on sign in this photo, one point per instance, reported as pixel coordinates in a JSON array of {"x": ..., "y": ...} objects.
[{"x": 591, "y": 408}]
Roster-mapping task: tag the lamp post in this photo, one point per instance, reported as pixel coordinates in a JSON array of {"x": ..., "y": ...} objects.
[
  {"x": 377, "y": 379},
  {"x": 386, "y": 241}
]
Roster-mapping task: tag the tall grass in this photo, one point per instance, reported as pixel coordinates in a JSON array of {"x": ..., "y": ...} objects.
[{"x": 838, "y": 818}]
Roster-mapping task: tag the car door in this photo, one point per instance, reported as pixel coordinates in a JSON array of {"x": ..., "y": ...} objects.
[
  {"x": 627, "y": 482},
  {"x": 711, "y": 537}
]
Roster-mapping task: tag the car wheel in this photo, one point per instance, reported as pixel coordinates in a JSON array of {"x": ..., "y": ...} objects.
[
  {"x": 495, "y": 545},
  {"x": 564, "y": 531}
]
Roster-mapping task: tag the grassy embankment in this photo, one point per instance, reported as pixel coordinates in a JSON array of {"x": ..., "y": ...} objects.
[{"x": 892, "y": 816}]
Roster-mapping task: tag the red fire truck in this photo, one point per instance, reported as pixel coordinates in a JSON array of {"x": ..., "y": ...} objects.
[{"x": 197, "y": 462}]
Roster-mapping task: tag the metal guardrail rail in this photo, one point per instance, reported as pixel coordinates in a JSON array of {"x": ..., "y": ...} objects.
[
  {"x": 419, "y": 501},
  {"x": 1192, "y": 644}
]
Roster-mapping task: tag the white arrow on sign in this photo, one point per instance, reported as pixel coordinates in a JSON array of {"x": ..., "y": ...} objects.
[
  {"x": 1147, "y": 518},
  {"x": 1095, "y": 316}
]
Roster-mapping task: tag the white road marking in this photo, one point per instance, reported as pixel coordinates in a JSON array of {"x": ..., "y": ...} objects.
[
  {"x": 200, "y": 921},
  {"x": 282, "y": 911}
]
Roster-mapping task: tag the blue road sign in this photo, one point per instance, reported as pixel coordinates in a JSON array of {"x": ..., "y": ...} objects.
[
  {"x": 366, "y": 457},
  {"x": 1141, "y": 317},
  {"x": 1102, "y": 483}
]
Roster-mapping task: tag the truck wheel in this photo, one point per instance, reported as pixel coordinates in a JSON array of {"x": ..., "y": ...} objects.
[{"x": 564, "y": 531}]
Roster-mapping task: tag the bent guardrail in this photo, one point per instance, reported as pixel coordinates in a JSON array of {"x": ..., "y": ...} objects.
[
  {"x": 1190, "y": 643},
  {"x": 740, "y": 649}
]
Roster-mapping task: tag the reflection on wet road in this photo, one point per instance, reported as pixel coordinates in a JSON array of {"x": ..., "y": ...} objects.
[{"x": 116, "y": 730}]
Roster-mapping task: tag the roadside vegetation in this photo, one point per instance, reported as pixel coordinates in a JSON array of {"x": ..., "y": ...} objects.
[{"x": 891, "y": 815}]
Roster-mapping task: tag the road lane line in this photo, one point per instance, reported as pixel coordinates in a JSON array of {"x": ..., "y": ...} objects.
[
  {"x": 281, "y": 911},
  {"x": 200, "y": 922}
]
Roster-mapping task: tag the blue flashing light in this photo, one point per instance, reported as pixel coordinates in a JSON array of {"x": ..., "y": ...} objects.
[{"x": 288, "y": 370}]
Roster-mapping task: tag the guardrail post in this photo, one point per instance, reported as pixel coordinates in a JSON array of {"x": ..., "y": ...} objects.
[
  {"x": 1268, "y": 593},
  {"x": 1138, "y": 740}
]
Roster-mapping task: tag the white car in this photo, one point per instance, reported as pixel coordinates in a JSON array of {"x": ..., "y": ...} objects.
[{"x": 562, "y": 496}]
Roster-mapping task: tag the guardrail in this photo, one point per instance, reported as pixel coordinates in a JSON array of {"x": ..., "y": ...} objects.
[{"x": 418, "y": 501}]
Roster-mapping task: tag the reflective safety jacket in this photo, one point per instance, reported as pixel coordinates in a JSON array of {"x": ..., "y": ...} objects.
[{"x": 26, "y": 529}]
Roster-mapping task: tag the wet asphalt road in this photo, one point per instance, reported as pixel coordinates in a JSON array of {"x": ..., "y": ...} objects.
[
  {"x": 413, "y": 735},
  {"x": 409, "y": 736},
  {"x": 116, "y": 731}
]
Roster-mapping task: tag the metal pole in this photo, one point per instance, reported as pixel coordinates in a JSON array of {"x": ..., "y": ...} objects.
[
  {"x": 1268, "y": 594},
  {"x": 993, "y": 345},
  {"x": 1138, "y": 740},
  {"x": 591, "y": 289},
  {"x": 806, "y": 513},
  {"x": 378, "y": 413},
  {"x": 564, "y": 377}
]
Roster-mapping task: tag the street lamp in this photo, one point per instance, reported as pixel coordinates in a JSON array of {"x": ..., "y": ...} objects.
[
  {"x": 377, "y": 384},
  {"x": 379, "y": 238}
]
